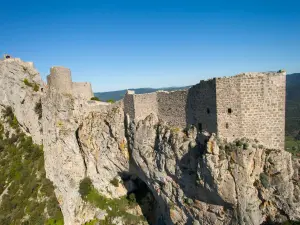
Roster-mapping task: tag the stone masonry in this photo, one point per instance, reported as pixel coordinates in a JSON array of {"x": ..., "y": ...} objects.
[
  {"x": 60, "y": 79},
  {"x": 248, "y": 105}
]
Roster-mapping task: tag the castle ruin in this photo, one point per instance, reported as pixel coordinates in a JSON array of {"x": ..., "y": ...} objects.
[
  {"x": 60, "y": 79},
  {"x": 250, "y": 105}
]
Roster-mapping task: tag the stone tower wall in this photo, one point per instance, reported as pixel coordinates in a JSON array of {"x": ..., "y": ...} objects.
[
  {"x": 228, "y": 97},
  {"x": 172, "y": 107},
  {"x": 129, "y": 104},
  {"x": 201, "y": 106},
  {"x": 82, "y": 90},
  {"x": 60, "y": 79},
  {"x": 144, "y": 105},
  {"x": 257, "y": 103}
]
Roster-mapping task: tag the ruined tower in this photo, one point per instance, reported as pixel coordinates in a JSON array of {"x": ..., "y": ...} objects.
[
  {"x": 60, "y": 79},
  {"x": 250, "y": 105}
]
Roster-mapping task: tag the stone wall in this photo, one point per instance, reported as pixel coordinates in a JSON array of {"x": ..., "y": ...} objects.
[
  {"x": 201, "y": 106},
  {"x": 172, "y": 107},
  {"x": 252, "y": 105},
  {"x": 129, "y": 104},
  {"x": 228, "y": 99},
  {"x": 144, "y": 105},
  {"x": 60, "y": 79},
  {"x": 82, "y": 90}
]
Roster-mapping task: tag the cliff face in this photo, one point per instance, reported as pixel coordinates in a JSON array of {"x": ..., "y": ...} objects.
[{"x": 174, "y": 176}]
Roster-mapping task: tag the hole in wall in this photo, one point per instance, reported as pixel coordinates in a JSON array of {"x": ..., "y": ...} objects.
[
  {"x": 200, "y": 127},
  {"x": 208, "y": 111},
  {"x": 42, "y": 89},
  {"x": 229, "y": 110},
  {"x": 227, "y": 125}
]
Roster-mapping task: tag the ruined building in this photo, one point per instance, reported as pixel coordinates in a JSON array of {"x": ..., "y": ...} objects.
[
  {"x": 248, "y": 105},
  {"x": 60, "y": 79}
]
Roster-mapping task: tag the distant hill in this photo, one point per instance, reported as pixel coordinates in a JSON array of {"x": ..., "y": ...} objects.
[
  {"x": 292, "y": 101},
  {"x": 293, "y": 105},
  {"x": 117, "y": 95}
]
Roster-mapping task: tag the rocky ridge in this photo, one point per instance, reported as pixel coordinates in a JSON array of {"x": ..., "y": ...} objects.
[{"x": 189, "y": 182}]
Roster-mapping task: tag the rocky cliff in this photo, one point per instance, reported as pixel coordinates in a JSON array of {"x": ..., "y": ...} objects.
[{"x": 107, "y": 169}]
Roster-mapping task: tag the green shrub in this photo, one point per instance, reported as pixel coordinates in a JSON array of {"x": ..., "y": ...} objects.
[
  {"x": 238, "y": 143},
  {"x": 26, "y": 82},
  {"x": 132, "y": 198},
  {"x": 116, "y": 207},
  {"x": 95, "y": 98},
  {"x": 36, "y": 87},
  {"x": 85, "y": 187},
  {"x": 21, "y": 165},
  {"x": 115, "y": 182},
  {"x": 111, "y": 101},
  {"x": 245, "y": 146},
  {"x": 264, "y": 179}
]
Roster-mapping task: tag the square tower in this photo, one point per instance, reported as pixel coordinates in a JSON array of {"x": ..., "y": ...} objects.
[{"x": 252, "y": 105}]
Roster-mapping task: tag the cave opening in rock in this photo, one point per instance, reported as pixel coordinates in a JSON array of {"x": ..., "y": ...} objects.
[{"x": 143, "y": 196}]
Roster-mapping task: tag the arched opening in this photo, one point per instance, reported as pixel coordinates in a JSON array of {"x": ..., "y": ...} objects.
[
  {"x": 142, "y": 195},
  {"x": 7, "y": 57},
  {"x": 229, "y": 110},
  {"x": 42, "y": 89},
  {"x": 227, "y": 125}
]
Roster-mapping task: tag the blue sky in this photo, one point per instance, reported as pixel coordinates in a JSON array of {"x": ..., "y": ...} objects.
[{"x": 130, "y": 44}]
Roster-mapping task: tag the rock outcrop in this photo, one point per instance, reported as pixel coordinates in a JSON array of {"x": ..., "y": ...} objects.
[{"x": 191, "y": 177}]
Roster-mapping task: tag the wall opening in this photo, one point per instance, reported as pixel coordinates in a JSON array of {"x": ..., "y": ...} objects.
[
  {"x": 229, "y": 110},
  {"x": 200, "y": 127},
  {"x": 208, "y": 111},
  {"x": 42, "y": 89},
  {"x": 227, "y": 125}
]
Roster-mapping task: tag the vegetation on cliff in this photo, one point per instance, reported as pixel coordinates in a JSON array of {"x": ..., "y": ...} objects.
[
  {"x": 114, "y": 208},
  {"x": 26, "y": 195}
]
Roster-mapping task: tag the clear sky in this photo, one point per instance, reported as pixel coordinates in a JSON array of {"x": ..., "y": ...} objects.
[{"x": 148, "y": 43}]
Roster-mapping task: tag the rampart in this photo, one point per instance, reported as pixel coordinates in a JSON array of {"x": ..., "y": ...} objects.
[
  {"x": 82, "y": 90},
  {"x": 172, "y": 106},
  {"x": 248, "y": 105}
]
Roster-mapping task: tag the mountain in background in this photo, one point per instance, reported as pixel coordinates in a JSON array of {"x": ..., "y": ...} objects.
[
  {"x": 118, "y": 95},
  {"x": 293, "y": 105},
  {"x": 292, "y": 101}
]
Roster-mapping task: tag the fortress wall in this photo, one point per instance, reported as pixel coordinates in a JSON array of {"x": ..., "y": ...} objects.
[
  {"x": 228, "y": 92},
  {"x": 201, "y": 106},
  {"x": 82, "y": 90},
  {"x": 263, "y": 108},
  {"x": 60, "y": 79},
  {"x": 129, "y": 104},
  {"x": 144, "y": 105},
  {"x": 172, "y": 107}
]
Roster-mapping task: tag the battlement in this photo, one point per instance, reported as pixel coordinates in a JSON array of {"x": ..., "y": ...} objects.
[
  {"x": 60, "y": 79},
  {"x": 248, "y": 105}
]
